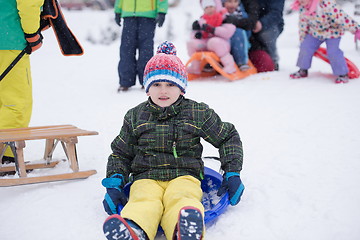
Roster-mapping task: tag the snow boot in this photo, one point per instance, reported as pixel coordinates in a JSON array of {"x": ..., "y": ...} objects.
[
  {"x": 117, "y": 228},
  {"x": 342, "y": 79},
  {"x": 122, "y": 89},
  {"x": 228, "y": 62},
  {"x": 190, "y": 225},
  {"x": 302, "y": 73}
]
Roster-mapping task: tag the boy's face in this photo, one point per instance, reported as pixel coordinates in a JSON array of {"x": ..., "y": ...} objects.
[
  {"x": 210, "y": 10},
  {"x": 231, "y": 5},
  {"x": 164, "y": 94}
]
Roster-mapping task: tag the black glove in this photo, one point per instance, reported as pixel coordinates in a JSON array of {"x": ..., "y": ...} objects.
[
  {"x": 198, "y": 35},
  {"x": 160, "y": 19},
  {"x": 207, "y": 28},
  {"x": 114, "y": 193},
  {"x": 232, "y": 184},
  {"x": 231, "y": 19},
  {"x": 34, "y": 42},
  {"x": 118, "y": 19},
  {"x": 196, "y": 26}
]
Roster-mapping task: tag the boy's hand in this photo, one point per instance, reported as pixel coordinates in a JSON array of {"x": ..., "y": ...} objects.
[
  {"x": 34, "y": 42},
  {"x": 118, "y": 19},
  {"x": 114, "y": 193},
  {"x": 233, "y": 185},
  {"x": 160, "y": 19},
  {"x": 258, "y": 27}
]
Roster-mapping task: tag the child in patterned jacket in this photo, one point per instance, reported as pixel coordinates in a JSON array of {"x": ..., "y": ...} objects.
[
  {"x": 323, "y": 21},
  {"x": 159, "y": 146}
]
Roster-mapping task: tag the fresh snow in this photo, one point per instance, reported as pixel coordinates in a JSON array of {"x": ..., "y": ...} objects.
[{"x": 300, "y": 138}]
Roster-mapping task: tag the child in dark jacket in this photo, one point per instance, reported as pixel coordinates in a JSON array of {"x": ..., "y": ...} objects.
[{"x": 159, "y": 146}]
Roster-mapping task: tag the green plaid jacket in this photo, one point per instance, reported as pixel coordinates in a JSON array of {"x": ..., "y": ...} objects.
[{"x": 164, "y": 143}]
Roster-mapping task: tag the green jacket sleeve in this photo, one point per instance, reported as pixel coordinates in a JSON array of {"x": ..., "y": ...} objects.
[
  {"x": 29, "y": 12},
  {"x": 223, "y": 136},
  {"x": 118, "y": 6},
  {"x": 162, "y": 6},
  {"x": 122, "y": 150}
]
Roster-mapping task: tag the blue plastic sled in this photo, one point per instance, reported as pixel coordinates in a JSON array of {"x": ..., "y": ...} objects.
[{"x": 214, "y": 205}]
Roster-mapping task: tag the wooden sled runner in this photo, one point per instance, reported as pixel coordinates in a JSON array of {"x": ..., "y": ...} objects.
[
  {"x": 65, "y": 134},
  {"x": 354, "y": 72},
  {"x": 212, "y": 59}
]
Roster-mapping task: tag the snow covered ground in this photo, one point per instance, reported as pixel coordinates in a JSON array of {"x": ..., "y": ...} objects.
[{"x": 301, "y": 139}]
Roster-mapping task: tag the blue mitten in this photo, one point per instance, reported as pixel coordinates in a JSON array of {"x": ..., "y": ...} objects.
[
  {"x": 232, "y": 183},
  {"x": 114, "y": 193}
]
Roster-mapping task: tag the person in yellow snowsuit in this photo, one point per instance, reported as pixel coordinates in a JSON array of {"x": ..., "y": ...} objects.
[{"x": 19, "y": 29}]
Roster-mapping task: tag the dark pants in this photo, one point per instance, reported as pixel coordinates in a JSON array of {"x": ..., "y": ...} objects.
[
  {"x": 266, "y": 40},
  {"x": 138, "y": 34}
]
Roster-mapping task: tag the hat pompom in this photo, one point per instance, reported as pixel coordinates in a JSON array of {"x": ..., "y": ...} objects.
[{"x": 167, "y": 48}]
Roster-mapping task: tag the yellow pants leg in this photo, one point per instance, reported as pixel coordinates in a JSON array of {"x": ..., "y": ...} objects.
[
  {"x": 180, "y": 192},
  {"x": 15, "y": 92},
  {"x": 145, "y": 206},
  {"x": 152, "y": 202}
]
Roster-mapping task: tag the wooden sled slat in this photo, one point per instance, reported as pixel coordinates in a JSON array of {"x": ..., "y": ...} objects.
[
  {"x": 47, "y": 132},
  {"x": 31, "y": 166},
  {"x": 214, "y": 61},
  {"x": 50, "y": 178}
]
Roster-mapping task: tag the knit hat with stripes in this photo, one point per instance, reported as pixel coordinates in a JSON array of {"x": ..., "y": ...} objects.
[{"x": 165, "y": 66}]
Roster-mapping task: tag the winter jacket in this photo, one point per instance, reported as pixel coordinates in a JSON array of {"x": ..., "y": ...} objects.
[
  {"x": 271, "y": 13},
  {"x": 329, "y": 21},
  {"x": 141, "y": 8},
  {"x": 16, "y": 18},
  {"x": 164, "y": 143},
  {"x": 252, "y": 15}
]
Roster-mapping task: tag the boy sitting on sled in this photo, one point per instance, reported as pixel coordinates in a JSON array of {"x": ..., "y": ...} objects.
[{"x": 159, "y": 145}]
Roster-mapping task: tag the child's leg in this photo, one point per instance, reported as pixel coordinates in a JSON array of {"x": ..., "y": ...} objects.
[
  {"x": 195, "y": 45},
  {"x": 221, "y": 48},
  {"x": 145, "y": 205},
  {"x": 336, "y": 57},
  {"x": 15, "y": 93},
  {"x": 127, "y": 64},
  {"x": 180, "y": 192},
  {"x": 146, "y": 34},
  {"x": 239, "y": 46},
  {"x": 307, "y": 49}
]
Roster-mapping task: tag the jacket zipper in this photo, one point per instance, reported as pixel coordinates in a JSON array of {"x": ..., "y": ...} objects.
[{"x": 174, "y": 143}]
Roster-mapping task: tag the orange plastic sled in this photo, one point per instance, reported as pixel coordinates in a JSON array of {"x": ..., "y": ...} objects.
[
  {"x": 353, "y": 70},
  {"x": 212, "y": 59}
]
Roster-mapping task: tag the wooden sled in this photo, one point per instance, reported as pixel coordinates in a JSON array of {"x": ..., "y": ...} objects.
[
  {"x": 354, "y": 72},
  {"x": 212, "y": 59},
  {"x": 65, "y": 134}
]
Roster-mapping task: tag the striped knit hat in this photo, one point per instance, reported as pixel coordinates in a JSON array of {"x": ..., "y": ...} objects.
[{"x": 165, "y": 66}]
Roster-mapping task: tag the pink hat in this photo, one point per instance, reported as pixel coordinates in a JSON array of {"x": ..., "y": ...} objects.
[{"x": 165, "y": 66}]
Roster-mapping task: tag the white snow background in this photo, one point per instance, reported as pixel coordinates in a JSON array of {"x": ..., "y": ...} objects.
[{"x": 301, "y": 139}]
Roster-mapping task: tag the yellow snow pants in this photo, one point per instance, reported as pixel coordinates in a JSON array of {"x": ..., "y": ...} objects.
[
  {"x": 15, "y": 92},
  {"x": 154, "y": 202}
]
